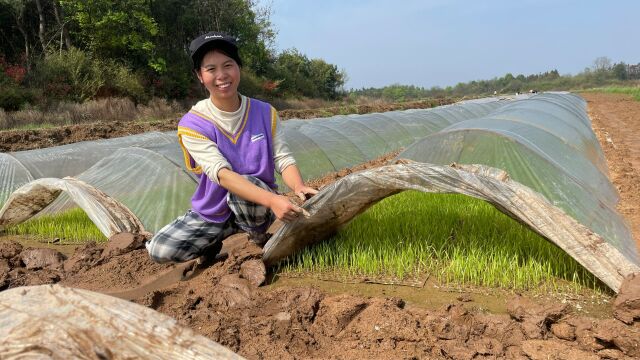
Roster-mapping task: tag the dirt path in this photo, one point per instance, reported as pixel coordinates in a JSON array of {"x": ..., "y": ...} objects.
[{"x": 616, "y": 122}]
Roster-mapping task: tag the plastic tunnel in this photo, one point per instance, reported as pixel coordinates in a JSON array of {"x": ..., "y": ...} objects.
[
  {"x": 344, "y": 199},
  {"x": 544, "y": 143},
  {"x": 146, "y": 172}
]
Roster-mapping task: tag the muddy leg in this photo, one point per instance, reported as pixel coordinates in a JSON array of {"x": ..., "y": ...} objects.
[{"x": 189, "y": 237}]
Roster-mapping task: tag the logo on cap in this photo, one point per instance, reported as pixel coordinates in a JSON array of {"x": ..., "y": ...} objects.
[{"x": 212, "y": 36}]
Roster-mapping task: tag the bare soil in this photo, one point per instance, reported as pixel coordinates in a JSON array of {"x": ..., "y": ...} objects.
[
  {"x": 308, "y": 319},
  {"x": 616, "y": 122}
]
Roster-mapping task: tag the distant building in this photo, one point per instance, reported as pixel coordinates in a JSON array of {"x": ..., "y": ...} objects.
[{"x": 633, "y": 71}]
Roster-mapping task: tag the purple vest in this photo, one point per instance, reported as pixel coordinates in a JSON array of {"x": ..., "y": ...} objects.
[{"x": 249, "y": 151}]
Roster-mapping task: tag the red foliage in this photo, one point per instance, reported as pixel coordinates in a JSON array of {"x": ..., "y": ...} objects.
[
  {"x": 16, "y": 72},
  {"x": 271, "y": 86}
]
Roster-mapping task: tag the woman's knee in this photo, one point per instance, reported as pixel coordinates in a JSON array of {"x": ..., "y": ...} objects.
[
  {"x": 161, "y": 251},
  {"x": 186, "y": 238}
]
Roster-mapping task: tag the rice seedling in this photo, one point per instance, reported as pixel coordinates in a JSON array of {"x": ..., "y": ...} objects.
[
  {"x": 460, "y": 240},
  {"x": 72, "y": 226}
]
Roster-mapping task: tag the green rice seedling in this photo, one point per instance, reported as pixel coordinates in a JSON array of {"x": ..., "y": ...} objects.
[
  {"x": 458, "y": 239},
  {"x": 72, "y": 226}
]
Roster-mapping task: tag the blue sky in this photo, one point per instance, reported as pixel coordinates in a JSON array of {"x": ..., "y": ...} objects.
[{"x": 440, "y": 43}]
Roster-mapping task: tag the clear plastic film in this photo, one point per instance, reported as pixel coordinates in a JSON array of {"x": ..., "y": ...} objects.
[
  {"x": 546, "y": 143},
  {"x": 320, "y": 145},
  {"x": 344, "y": 199},
  {"x": 154, "y": 188}
]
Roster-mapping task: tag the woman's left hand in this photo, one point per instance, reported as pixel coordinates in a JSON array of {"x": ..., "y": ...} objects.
[{"x": 304, "y": 192}]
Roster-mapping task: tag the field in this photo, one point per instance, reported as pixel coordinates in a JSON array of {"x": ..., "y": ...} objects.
[{"x": 301, "y": 317}]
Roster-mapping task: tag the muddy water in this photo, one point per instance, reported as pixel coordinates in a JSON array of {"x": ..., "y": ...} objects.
[
  {"x": 433, "y": 296},
  {"x": 37, "y": 242}
]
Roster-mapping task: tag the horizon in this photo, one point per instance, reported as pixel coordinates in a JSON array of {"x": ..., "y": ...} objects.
[{"x": 473, "y": 41}]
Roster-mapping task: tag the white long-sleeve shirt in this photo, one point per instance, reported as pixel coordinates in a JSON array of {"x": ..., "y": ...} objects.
[{"x": 205, "y": 152}]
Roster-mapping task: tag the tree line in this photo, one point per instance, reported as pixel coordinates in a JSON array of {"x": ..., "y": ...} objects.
[
  {"x": 603, "y": 72},
  {"x": 75, "y": 50}
]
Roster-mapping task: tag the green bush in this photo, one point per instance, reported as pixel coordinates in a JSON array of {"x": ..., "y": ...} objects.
[
  {"x": 14, "y": 97},
  {"x": 251, "y": 85},
  {"x": 176, "y": 83},
  {"x": 69, "y": 75},
  {"x": 125, "y": 83},
  {"x": 76, "y": 76}
]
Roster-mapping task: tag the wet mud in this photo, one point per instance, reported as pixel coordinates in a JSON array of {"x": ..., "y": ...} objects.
[{"x": 224, "y": 301}]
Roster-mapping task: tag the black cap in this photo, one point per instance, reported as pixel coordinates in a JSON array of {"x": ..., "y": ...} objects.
[{"x": 213, "y": 40}]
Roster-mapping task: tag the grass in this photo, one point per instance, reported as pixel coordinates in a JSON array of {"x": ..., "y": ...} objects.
[
  {"x": 100, "y": 110},
  {"x": 460, "y": 240},
  {"x": 73, "y": 226},
  {"x": 31, "y": 126},
  {"x": 628, "y": 90}
]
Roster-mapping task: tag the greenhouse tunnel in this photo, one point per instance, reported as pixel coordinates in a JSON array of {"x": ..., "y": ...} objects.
[
  {"x": 344, "y": 199},
  {"x": 19, "y": 168},
  {"x": 544, "y": 142}
]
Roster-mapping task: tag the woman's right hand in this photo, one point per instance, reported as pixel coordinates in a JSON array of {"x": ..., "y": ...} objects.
[{"x": 284, "y": 209}]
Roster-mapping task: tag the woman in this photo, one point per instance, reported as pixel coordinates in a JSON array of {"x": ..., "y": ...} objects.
[{"x": 235, "y": 145}]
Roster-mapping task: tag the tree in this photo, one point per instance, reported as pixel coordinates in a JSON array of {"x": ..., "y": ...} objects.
[
  {"x": 122, "y": 30},
  {"x": 62, "y": 24},
  {"x": 311, "y": 78},
  {"x": 602, "y": 64},
  {"x": 620, "y": 71},
  {"x": 18, "y": 10},
  {"x": 327, "y": 78}
]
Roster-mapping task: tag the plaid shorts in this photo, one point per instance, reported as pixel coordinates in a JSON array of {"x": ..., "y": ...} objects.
[{"x": 189, "y": 236}]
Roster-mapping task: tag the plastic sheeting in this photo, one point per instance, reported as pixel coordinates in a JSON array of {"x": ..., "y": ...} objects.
[
  {"x": 109, "y": 215},
  {"x": 146, "y": 172},
  {"x": 56, "y": 322},
  {"x": 322, "y": 146},
  {"x": 337, "y": 204},
  {"x": 20, "y": 167},
  {"x": 545, "y": 143},
  {"x": 150, "y": 185}
]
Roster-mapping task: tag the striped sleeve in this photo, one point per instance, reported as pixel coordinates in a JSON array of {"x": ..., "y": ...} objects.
[{"x": 282, "y": 156}]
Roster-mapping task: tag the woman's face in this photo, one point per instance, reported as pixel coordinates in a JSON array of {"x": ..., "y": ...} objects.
[{"x": 220, "y": 74}]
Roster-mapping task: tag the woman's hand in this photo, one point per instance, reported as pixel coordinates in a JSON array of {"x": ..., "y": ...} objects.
[
  {"x": 283, "y": 208},
  {"x": 304, "y": 192},
  {"x": 293, "y": 179}
]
